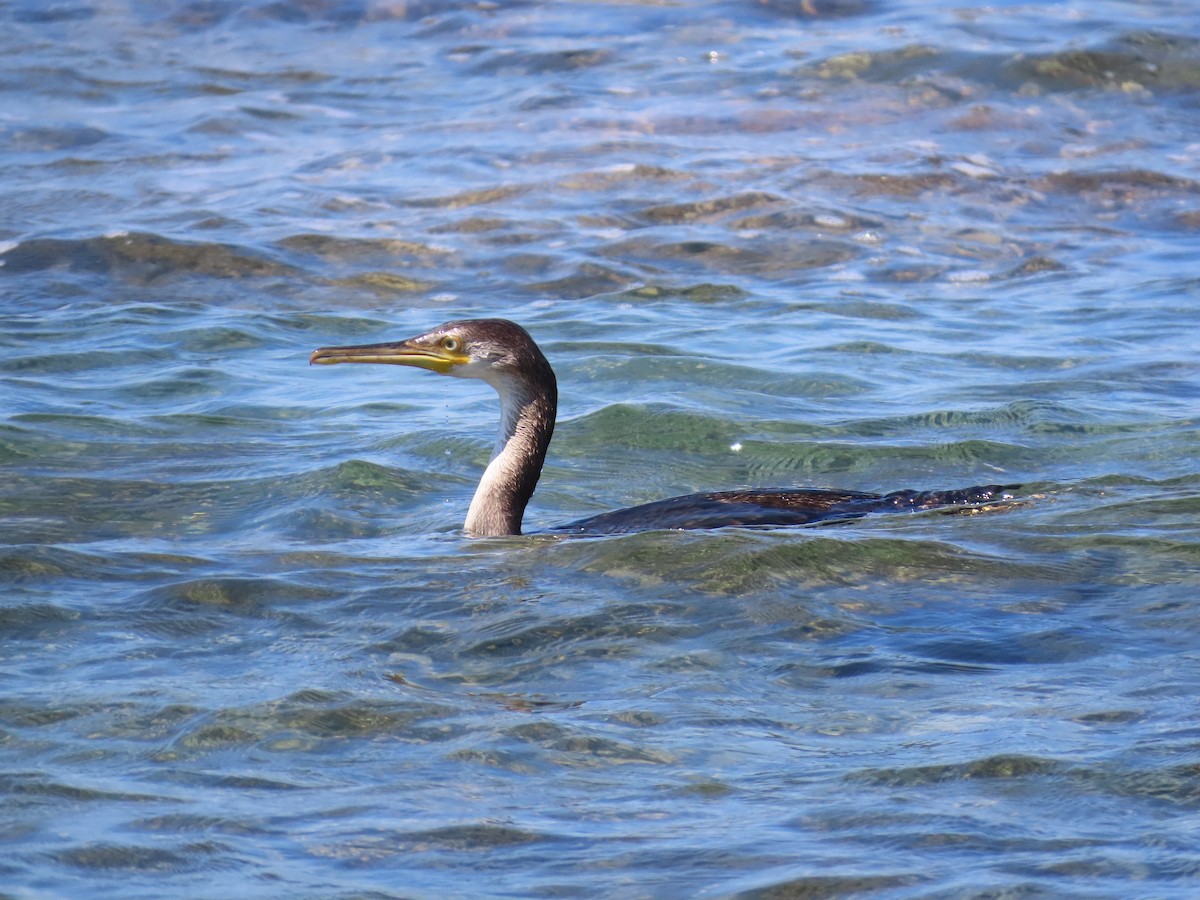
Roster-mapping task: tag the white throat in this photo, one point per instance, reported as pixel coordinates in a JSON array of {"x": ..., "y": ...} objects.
[{"x": 492, "y": 508}]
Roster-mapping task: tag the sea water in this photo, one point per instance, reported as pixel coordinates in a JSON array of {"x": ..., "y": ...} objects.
[{"x": 245, "y": 649}]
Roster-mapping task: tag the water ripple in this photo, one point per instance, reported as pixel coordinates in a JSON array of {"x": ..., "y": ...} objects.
[{"x": 826, "y": 243}]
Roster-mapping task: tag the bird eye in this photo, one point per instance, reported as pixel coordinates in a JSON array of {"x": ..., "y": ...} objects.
[{"x": 451, "y": 343}]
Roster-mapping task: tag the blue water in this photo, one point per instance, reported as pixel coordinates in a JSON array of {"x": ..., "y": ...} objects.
[{"x": 245, "y": 649}]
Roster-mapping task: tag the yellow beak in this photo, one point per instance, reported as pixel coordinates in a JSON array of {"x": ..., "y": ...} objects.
[{"x": 399, "y": 353}]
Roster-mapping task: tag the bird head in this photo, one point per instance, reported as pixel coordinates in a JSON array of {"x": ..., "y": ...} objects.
[{"x": 493, "y": 350}]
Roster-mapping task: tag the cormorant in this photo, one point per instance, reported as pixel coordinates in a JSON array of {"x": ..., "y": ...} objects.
[{"x": 504, "y": 355}]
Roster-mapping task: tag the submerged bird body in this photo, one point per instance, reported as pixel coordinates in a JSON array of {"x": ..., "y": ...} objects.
[
  {"x": 504, "y": 355},
  {"x": 771, "y": 507}
]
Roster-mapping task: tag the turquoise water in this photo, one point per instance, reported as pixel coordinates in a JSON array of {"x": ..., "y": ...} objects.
[{"x": 245, "y": 649}]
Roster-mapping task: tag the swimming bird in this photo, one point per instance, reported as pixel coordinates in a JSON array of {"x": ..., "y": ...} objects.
[{"x": 503, "y": 354}]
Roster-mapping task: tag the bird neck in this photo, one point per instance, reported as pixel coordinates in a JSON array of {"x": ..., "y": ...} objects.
[{"x": 527, "y": 412}]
